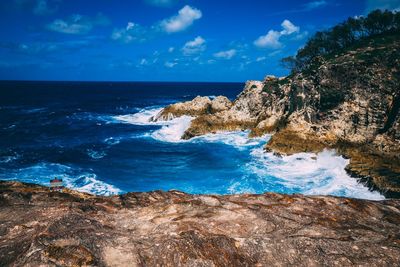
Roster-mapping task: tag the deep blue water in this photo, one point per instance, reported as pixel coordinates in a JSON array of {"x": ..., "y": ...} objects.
[{"x": 96, "y": 136}]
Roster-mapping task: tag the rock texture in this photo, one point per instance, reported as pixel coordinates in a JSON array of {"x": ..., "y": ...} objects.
[
  {"x": 349, "y": 101},
  {"x": 200, "y": 105},
  {"x": 240, "y": 116},
  {"x": 43, "y": 228}
]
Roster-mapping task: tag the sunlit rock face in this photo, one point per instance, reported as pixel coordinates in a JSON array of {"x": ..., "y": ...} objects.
[
  {"x": 200, "y": 105},
  {"x": 349, "y": 102},
  {"x": 241, "y": 115},
  {"x": 42, "y": 228}
]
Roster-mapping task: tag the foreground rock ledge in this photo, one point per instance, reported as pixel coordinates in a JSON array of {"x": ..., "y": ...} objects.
[{"x": 38, "y": 227}]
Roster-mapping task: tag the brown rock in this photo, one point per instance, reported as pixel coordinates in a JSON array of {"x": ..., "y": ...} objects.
[
  {"x": 220, "y": 103},
  {"x": 39, "y": 228},
  {"x": 196, "y": 107}
]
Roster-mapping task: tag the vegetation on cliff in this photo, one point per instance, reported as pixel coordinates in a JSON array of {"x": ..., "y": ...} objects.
[
  {"x": 355, "y": 31},
  {"x": 344, "y": 93}
]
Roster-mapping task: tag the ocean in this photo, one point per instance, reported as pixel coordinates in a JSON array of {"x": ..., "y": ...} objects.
[{"x": 97, "y": 137}]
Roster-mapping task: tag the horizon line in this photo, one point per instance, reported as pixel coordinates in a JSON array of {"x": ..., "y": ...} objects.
[{"x": 120, "y": 81}]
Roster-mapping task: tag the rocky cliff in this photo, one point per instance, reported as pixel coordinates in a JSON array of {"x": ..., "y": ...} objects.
[
  {"x": 43, "y": 228},
  {"x": 349, "y": 101}
]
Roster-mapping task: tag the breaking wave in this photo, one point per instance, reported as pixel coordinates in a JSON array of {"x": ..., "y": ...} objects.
[
  {"x": 306, "y": 173},
  {"x": 170, "y": 131},
  {"x": 96, "y": 154},
  {"x": 73, "y": 178},
  {"x": 237, "y": 139},
  {"x": 140, "y": 118}
]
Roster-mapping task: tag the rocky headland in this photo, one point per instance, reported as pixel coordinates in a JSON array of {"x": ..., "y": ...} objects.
[
  {"x": 349, "y": 101},
  {"x": 43, "y": 228}
]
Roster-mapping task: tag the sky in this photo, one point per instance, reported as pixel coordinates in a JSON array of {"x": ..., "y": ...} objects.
[{"x": 161, "y": 40}]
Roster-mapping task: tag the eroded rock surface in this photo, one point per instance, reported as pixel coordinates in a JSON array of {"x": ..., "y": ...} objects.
[
  {"x": 42, "y": 228},
  {"x": 200, "y": 105}
]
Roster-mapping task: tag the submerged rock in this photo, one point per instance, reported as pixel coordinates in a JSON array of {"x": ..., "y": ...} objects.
[{"x": 43, "y": 228}]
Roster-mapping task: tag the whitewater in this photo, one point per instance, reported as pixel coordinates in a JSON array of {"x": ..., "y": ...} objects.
[
  {"x": 99, "y": 139},
  {"x": 306, "y": 173}
]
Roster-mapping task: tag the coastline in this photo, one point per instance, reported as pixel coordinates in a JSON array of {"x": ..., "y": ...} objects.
[{"x": 340, "y": 102}]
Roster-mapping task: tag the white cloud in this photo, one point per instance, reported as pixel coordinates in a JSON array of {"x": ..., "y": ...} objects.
[
  {"x": 171, "y": 49},
  {"x": 132, "y": 32},
  {"x": 130, "y": 26},
  {"x": 195, "y": 46},
  {"x": 228, "y": 54},
  {"x": 383, "y": 4},
  {"x": 135, "y": 32},
  {"x": 185, "y": 18},
  {"x": 170, "y": 64},
  {"x": 289, "y": 28},
  {"x": 144, "y": 62},
  {"x": 272, "y": 38},
  {"x": 261, "y": 59},
  {"x": 77, "y": 24},
  {"x": 315, "y": 4}
]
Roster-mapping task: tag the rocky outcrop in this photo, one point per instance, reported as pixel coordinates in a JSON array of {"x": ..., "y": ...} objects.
[
  {"x": 196, "y": 107},
  {"x": 43, "y": 228},
  {"x": 220, "y": 103},
  {"x": 240, "y": 116},
  {"x": 349, "y": 102}
]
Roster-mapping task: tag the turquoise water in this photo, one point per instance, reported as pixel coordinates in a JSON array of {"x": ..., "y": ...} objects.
[{"x": 98, "y": 138}]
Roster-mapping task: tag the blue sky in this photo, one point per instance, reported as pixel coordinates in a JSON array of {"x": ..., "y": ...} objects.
[{"x": 161, "y": 40}]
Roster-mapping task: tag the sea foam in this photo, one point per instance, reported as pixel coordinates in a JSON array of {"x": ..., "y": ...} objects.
[
  {"x": 237, "y": 139},
  {"x": 73, "y": 178},
  {"x": 306, "y": 173},
  {"x": 173, "y": 131},
  {"x": 140, "y": 118},
  {"x": 170, "y": 131},
  {"x": 96, "y": 154}
]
